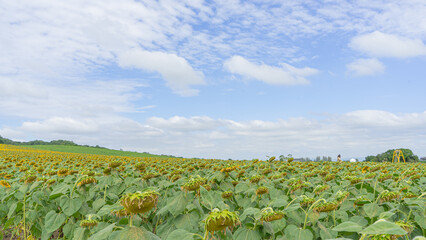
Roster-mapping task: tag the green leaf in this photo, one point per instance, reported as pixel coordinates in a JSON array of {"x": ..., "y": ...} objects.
[
  {"x": 279, "y": 203},
  {"x": 326, "y": 233},
  {"x": 98, "y": 204},
  {"x": 188, "y": 222},
  {"x": 384, "y": 227},
  {"x": 246, "y": 234},
  {"x": 178, "y": 204},
  {"x": 386, "y": 215},
  {"x": 106, "y": 209},
  {"x": 81, "y": 234},
  {"x": 372, "y": 209},
  {"x": 348, "y": 227},
  {"x": 241, "y": 187},
  {"x": 421, "y": 220},
  {"x": 278, "y": 225},
  {"x": 295, "y": 233},
  {"x": 12, "y": 210},
  {"x": 133, "y": 233},
  {"x": 103, "y": 234},
  {"x": 180, "y": 234},
  {"x": 59, "y": 190},
  {"x": 53, "y": 221},
  {"x": 360, "y": 220},
  {"x": 70, "y": 206},
  {"x": 249, "y": 212},
  {"x": 67, "y": 229}
]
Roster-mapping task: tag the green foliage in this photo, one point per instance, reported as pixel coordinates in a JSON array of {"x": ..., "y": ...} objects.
[
  {"x": 387, "y": 156},
  {"x": 90, "y": 150},
  {"x": 341, "y": 210}
]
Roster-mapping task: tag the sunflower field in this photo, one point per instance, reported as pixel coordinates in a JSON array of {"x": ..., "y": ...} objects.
[{"x": 53, "y": 195}]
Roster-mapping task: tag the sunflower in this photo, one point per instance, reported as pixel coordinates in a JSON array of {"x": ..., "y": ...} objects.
[{"x": 139, "y": 202}]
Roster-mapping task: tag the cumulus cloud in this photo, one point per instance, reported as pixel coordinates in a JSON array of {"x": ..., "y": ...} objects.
[
  {"x": 284, "y": 75},
  {"x": 366, "y": 67},
  {"x": 38, "y": 99},
  {"x": 177, "y": 72},
  {"x": 351, "y": 134},
  {"x": 379, "y": 44}
]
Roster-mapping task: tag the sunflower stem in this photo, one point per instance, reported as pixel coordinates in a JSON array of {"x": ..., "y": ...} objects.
[
  {"x": 306, "y": 215},
  {"x": 25, "y": 231}
]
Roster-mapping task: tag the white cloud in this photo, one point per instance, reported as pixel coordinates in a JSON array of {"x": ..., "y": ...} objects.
[
  {"x": 365, "y": 67},
  {"x": 284, "y": 75},
  {"x": 353, "y": 134},
  {"x": 378, "y": 44},
  {"x": 38, "y": 99},
  {"x": 178, "y": 123},
  {"x": 177, "y": 72}
]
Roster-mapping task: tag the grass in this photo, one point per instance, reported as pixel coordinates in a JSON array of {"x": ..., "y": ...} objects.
[{"x": 92, "y": 150}]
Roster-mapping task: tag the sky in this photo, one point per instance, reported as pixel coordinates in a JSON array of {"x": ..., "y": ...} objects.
[{"x": 216, "y": 79}]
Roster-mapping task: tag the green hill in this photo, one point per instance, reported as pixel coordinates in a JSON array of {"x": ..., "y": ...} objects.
[
  {"x": 92, "y": 150},
  {"x": 71, "y": 147}
]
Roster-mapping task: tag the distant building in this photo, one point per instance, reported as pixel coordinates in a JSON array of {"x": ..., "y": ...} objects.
[{"x": 352, "y": 160}]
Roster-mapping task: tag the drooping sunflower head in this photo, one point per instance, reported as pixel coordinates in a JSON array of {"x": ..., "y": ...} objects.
[
  {"x": 62, "y": 172},
  {"x": 387, "y": 196},
  {"x": 306, "y": 201},
  {"x": 89, "y": 222},
  {"x": 227, "y": 194},
  {"x": 4, "y": 183},
  {"x": 228, "y": 169},
  {"x": 255, "y": 178},
  {"x": 139, "y": 202},
  {"x": 87, "y": 180},
  {"x": 269, "y": 215},
  {"x": 326, "y": 206},
  {"x": 220, "y": 220},
  {"x": 321, "y": 188},
  {"x": 30, "y": 178},
  {"x": 262, "y": 190},
  {"x": 409, "y": 195},
  {"x": 193, "y": 183},
  {"x": 341, "y": 196},
  {"x": 115, "y": 164}
]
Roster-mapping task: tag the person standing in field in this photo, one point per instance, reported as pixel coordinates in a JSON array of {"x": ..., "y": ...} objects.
[{"x": 339, "y": 159}]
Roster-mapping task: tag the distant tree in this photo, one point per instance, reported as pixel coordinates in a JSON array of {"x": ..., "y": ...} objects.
[
  {"x": 387, "y": 156},
  {"x": 329, "y": 158},
  {"x": 318, "y": 158}
]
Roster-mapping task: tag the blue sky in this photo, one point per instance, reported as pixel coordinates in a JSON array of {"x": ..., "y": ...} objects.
[{"x": 216, "y": 79}]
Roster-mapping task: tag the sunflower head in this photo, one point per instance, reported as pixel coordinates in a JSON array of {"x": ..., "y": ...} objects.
[
  {"x": 255, "y": 178},
  {"x": 262, "y": 190},
  {"x": 139, "y": 202},
  {"x": 326, "y": 206},
  {"x": 87, "y": 180},
  {"x": 306, "y": 201},
  {"x": 269, "y": 215},
  {"x": 4, "y": 183},
  {"x": 227, "y": 194},
  {"x": 194, "y": 183},
  {"x": 89, "y": 222},
  {"x": 115, "y": 164},
  {"x": 341, "y": 196},
  {"x": 387, "y": 196},
  {"x": 220, "y": 220}
]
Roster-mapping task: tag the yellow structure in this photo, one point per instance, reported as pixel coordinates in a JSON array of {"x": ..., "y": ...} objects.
[{"x": 397, "y": 154}]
